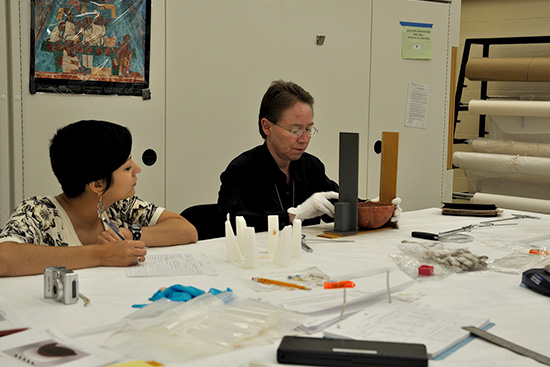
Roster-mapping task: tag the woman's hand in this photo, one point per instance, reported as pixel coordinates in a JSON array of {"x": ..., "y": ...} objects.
[
  {"x": 122, "y": 253},
  {"x": 112, "y": 236}
]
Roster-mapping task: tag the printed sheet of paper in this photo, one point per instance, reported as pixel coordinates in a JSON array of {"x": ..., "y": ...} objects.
[
  {"x": 406, "y": 323},
  {"x": 417, "y": 40},
  {"x": 49, "y": 347},
  {"x": 9, "y": 319},
  {"x": 173, "y": 264},
  {"x": 417, "y": 105}
]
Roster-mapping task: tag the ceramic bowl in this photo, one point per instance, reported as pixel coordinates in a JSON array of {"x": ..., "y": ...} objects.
[{"x": 373, "y": 215}]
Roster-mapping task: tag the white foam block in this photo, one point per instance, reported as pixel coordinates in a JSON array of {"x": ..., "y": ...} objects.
[
  {"x": 233, "y": 250},
  {"x": 273, "y": 233},
  {"x": 282, "y": 254},
  {"x": 240, "y": 224},
  {"x": 296, "y": 239},
  {"x": 250, "y": 250}
]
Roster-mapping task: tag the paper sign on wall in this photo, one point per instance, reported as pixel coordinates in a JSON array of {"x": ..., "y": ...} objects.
[
  {"x": 417, "y": 105},
  {"x": 417, "y": 40}
]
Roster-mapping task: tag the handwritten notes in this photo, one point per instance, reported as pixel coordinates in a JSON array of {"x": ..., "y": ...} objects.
[{"x": 173, "y": 264}]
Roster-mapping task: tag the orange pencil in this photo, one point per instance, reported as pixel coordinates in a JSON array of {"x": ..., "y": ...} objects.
[{"x": 277, "y": 282}]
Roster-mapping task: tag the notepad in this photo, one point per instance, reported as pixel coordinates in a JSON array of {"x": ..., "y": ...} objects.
[{"x": 438, "y": 329}]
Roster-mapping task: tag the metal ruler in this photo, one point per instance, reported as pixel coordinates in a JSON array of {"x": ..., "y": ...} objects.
[{"x": 508, "y": 345}]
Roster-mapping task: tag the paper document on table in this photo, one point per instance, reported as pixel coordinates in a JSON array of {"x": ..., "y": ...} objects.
[
  {"x": 320, "y": 301},
  {"x": 49, "y": 347},
  {"x": 10, "y": 322},
  {"x": 173, "y": 264},
  {"x": 323, "y": 307},
  {"x": 439, "y": 330}
]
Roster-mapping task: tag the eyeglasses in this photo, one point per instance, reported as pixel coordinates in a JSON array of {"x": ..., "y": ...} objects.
[{"x": 311, "y": 132}]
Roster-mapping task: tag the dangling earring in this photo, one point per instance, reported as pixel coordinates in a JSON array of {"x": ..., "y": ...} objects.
[{"x": 100, "y": 207}]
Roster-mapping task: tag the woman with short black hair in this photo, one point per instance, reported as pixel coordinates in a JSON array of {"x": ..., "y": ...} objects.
[{"x": 97, "y": 220}]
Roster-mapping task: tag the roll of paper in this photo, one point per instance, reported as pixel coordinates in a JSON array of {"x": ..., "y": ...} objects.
[
  {"x": 512, "y": 202},
  {"x": 528, "y": 69},
  {"x": 509, "y": 108},
  {"x": 503, "y": 163},
  {"x": 482, "y": 145}
]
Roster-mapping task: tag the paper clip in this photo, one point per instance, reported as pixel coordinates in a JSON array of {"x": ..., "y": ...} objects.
[{"x": 343, "y": 284}]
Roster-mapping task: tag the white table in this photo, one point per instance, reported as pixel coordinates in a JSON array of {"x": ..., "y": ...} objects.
[{"x": 519, "y": 314}]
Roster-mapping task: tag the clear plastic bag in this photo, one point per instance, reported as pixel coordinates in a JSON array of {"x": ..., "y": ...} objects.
[
  {"x": 520, "y": 260},
  {"x": 202, "y": 326},
  {"x": 443, "y": 258},
  {"x": 523, "y": 255}
]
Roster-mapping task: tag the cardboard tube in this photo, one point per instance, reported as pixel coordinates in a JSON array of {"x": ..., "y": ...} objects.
[
  {"x": 539, "y": 70},
  {"x": 509, "y": 108},
  {"x": 528, "y": 69}
]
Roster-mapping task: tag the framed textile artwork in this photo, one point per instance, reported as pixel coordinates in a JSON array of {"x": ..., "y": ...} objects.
[{"x": 90, "y": 47}]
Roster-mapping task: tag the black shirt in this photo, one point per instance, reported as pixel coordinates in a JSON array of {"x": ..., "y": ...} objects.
[{"x": 253, "y": 186}]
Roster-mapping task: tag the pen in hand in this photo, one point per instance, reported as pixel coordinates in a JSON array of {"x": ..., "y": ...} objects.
[{"x": 114, "y": 228}]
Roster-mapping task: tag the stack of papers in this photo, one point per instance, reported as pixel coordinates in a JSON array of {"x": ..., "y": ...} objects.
[
  {"x": 324, "y": 307},
  {"x": 439, "y": 330}
]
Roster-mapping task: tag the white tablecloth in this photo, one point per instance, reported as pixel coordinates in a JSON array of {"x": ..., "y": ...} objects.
[{"x": 520, "y": 315}]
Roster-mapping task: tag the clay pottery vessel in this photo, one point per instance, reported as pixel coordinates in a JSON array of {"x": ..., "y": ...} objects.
[{"x": 373, "y": 215}]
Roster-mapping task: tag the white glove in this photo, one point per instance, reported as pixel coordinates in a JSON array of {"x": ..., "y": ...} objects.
[
  {"x": 449, "y": 257},
  {"x": 316, "y": 205},
  {"x": 397, "y": 211}
]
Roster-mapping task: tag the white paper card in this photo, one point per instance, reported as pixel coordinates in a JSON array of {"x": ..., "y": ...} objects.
[{"x": 49, "y": 347}]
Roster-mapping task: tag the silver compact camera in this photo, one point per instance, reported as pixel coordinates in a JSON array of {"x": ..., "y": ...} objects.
[{"x": 61, "y": 284}]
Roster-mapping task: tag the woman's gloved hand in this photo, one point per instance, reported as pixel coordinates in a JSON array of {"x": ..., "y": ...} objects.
[
  {"x": 316, "y": 205},
  {"x": 397, "y": 211}
]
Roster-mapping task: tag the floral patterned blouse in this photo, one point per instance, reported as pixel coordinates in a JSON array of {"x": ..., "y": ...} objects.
[{"x": 41, "y": 220}]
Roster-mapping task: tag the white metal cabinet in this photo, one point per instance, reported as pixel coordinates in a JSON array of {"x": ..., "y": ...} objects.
[
  {"x": 335, "y": 73},
  {"x": 422, "y": 177},
  {"x": 222, "y": 57},
  {"x": 5, "y": 97}
]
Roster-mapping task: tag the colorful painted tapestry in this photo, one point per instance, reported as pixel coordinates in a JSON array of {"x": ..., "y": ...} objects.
[{"x": 90, "y": 47}]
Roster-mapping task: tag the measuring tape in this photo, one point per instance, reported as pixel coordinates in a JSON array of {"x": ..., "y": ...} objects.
[{"x": 508, "y": 345}]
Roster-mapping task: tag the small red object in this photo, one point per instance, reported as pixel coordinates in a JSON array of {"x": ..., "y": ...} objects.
[
  {"x": 425, "y": 270},
  {"x": 344, "y": 284}
]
